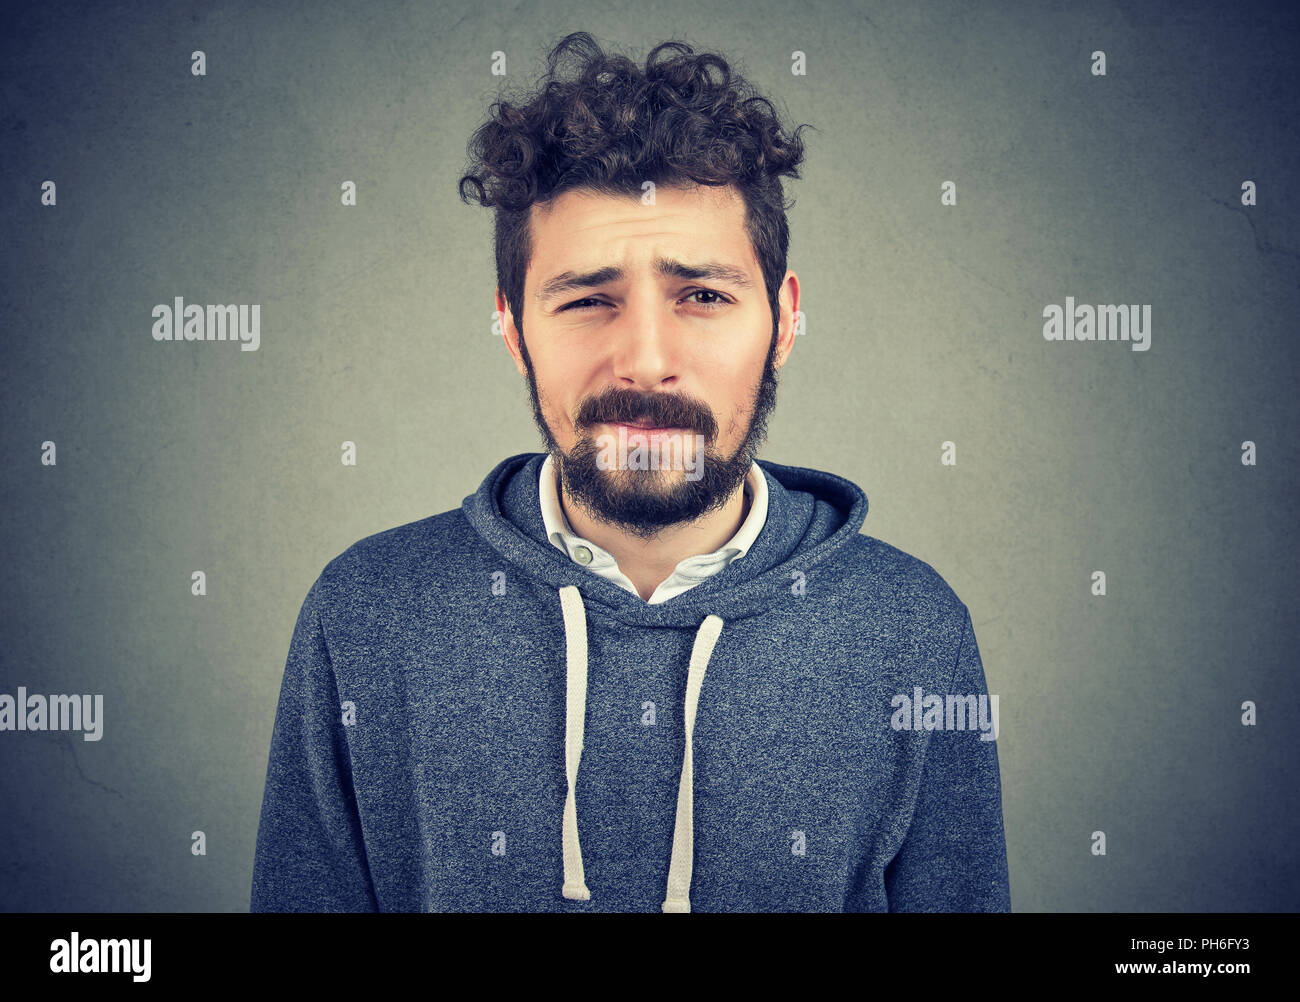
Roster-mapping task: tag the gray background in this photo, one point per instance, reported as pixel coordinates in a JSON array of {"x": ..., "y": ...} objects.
[{"x": 923, "y": 325}]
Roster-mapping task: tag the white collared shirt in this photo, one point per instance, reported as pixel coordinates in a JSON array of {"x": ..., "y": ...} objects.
[{"x": 687, "y": 574}]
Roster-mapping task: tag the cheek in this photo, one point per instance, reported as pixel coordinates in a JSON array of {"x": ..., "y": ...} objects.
[{"x": 558, "y": 385}]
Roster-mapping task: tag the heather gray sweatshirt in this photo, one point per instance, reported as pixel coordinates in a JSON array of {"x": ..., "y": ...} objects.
[{"x": 471, "y": 721}]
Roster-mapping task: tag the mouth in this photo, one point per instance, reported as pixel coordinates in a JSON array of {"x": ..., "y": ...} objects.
[{"x": 644, "y": 428}]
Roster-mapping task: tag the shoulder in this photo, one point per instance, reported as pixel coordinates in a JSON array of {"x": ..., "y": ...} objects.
[
  {"x": 406, "y": 560},
  {"x": 896, "y": 584}
]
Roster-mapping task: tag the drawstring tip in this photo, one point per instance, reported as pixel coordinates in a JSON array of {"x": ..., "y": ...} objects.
[
  {"x": 677, "y": 905},
  {"x": 576, "y": 892}
]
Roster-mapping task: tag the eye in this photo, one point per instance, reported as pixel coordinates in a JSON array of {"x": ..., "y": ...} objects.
[
  {"x": 721, "y": 302},
  {"x": 575, "y": 304}
]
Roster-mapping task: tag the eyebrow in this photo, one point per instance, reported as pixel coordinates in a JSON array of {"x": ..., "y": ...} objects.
[{"x": 569, "y": 281}]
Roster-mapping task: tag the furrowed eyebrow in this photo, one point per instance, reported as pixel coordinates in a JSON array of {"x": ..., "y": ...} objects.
[
  {"x": 711, "y": 270},
  {"x": 570, "y": 281}
]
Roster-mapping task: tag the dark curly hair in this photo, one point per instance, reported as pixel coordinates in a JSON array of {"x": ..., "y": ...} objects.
[{"x": 615, "y": 126}]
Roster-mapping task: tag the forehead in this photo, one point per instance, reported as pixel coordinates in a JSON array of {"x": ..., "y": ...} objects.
[{"x": 582, "y": 228}]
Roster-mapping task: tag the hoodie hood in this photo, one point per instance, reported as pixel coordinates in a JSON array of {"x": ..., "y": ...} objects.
[{"x": 810, "y": 516}]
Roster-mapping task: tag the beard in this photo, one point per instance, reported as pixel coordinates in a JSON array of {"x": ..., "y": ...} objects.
[{"x": 642, "y": 502}]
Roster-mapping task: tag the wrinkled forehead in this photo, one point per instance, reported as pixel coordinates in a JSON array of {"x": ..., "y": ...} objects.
[{"x": 581, "y": 229}]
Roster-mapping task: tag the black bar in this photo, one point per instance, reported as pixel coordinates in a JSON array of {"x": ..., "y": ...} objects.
[{"x": 646, "y": 951}]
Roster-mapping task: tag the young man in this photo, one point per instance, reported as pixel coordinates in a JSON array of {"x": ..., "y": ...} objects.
[{"x": 639, "y": 671}]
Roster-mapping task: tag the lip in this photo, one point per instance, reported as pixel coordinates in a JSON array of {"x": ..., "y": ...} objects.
[{"x": 645, "y": 429}]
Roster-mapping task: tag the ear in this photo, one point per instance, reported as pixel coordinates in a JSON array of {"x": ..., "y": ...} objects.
[
  {"x": 510, "y": 332},
  {"x": 788, "y": 301}
]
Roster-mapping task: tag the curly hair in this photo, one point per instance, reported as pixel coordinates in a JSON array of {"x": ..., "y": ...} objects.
[{"x": 616, "y": 126}]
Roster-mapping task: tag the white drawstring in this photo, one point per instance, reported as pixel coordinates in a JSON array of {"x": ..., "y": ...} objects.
[
  {"x": 575, "y": 713},
  {"x": 680, "y": 867},
  {"x": 683, "y": 861}
]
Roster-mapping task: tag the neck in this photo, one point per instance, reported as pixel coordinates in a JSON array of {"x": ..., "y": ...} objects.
[{"x": 649, "y": 562}]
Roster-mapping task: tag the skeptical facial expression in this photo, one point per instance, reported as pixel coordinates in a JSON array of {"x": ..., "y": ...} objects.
[{"x": 651, "y": 349}]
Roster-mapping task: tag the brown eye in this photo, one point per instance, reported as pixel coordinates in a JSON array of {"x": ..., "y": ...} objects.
[
  {"x": 575, "y": 304},
  {"x": 709, "y": 305}
]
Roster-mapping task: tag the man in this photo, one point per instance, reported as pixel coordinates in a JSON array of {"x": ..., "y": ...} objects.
[{"x": 640, "y": 671}]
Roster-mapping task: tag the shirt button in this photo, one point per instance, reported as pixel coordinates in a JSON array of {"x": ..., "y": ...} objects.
[{"x": 582, "y": 555}]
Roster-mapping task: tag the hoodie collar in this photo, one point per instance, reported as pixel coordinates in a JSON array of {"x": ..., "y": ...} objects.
[{"x": 811, "y": 516}]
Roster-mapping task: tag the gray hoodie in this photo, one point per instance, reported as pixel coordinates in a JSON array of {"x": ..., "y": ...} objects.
[{"x": 471, "y": 721}]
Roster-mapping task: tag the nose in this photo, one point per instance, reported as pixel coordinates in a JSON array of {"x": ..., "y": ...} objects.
[{"x": 646, "y": 354}]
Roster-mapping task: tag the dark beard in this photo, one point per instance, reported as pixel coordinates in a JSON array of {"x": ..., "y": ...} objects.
[{"x": 641, "y": 502}]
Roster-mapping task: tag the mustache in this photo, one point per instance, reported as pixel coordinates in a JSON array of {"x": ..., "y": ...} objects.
[{"x": 662, "y": 410}]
